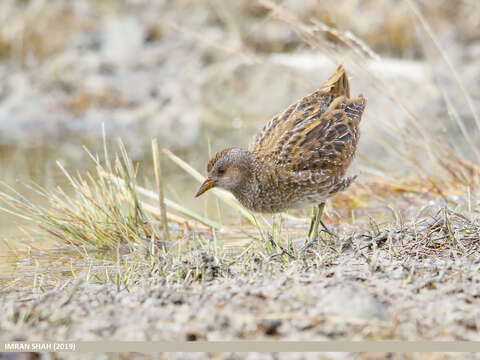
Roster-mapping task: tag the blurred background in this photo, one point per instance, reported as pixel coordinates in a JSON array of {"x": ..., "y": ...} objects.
[{"x": 195, "y": 72}]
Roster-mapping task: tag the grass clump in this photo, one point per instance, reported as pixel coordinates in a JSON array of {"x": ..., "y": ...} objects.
[{"x": 103, "y": 212}]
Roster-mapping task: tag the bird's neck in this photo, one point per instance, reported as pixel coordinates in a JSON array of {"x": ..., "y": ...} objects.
[
  {"x": 260, "y": 174},
  {"x": 245, "y": 192}
]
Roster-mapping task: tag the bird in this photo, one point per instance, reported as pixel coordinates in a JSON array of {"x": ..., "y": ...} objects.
[{"x": 299, "y": 158}]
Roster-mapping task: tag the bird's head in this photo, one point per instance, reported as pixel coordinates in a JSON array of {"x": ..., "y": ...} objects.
[{"x": 229, "y": 169}]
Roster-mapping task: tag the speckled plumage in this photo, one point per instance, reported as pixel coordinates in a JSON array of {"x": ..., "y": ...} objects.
[{"x": 301, "y": 155}]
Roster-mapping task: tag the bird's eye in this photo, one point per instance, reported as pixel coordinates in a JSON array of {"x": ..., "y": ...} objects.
[{"x": 221, "y": 171}]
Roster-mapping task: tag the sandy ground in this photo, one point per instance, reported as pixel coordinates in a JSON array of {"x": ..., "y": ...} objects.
[{"x": 402, "y": 281}]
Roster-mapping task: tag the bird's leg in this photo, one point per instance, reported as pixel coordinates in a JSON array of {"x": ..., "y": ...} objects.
[
  {"x": 312, "y": 221},
  {"x": 317, "y": 220},
  {"x": 275, "y": 231}
]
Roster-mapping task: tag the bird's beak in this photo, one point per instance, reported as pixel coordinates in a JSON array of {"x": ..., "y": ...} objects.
[{"x": 207, "y": 185}]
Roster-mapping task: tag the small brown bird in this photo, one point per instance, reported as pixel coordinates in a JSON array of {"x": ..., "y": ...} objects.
[{"x": 299, "y": 158}]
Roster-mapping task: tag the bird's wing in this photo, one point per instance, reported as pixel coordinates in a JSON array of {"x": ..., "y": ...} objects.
[
  {"x": 324, "y": 143},
  {"x": 268, "y": 140},
  {"x": 296, "y": 138}
]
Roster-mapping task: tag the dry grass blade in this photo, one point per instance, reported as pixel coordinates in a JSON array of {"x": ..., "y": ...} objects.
[
  {"x": 159, "y": 180},
  {"x": 190, "y": 223},
  {"x": 171, "y": 204}
]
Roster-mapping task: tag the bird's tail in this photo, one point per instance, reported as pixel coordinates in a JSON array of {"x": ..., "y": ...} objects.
[{"x": 338, "y": 84}]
